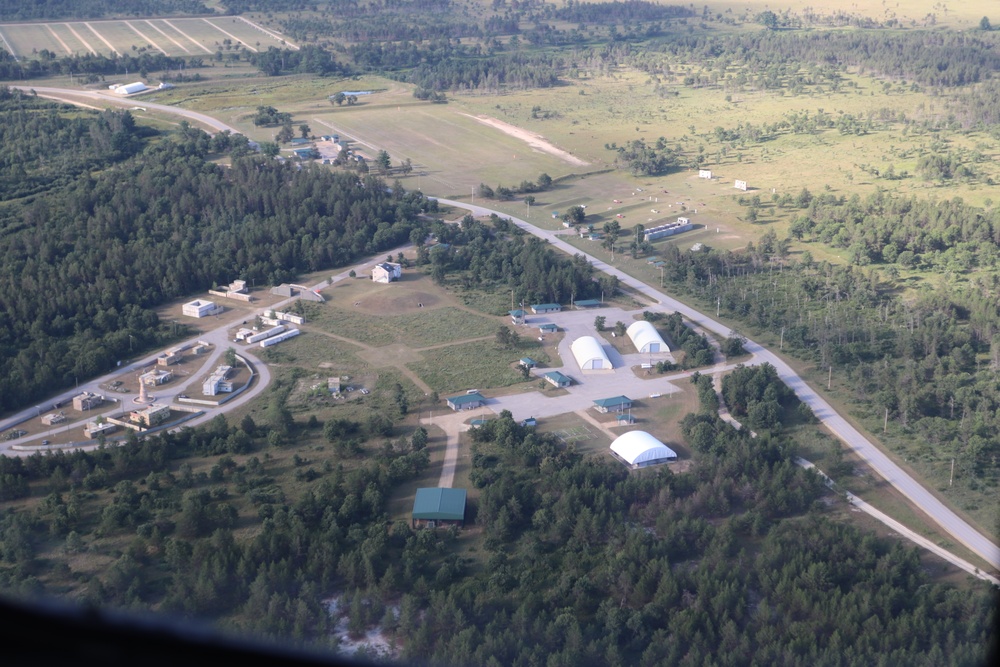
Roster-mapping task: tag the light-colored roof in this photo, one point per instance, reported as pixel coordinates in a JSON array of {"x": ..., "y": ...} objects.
[
  {"x": 640, "y": 447},
  {"x": 643, "y": 333},
  {"x": 587, "y": 349}
]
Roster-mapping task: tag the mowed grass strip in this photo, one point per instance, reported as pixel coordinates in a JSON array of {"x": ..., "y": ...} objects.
[
  {"x": 468, "y": 365},
  {"x": 420, "y": 329}
]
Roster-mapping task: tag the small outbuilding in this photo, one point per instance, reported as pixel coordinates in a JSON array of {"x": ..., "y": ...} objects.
[
  {"x": 557, "y": 379},
  {"x": 437, "y": 507},
  {"x": 613, "y": 404},
  {"x": 638, "y": 449},
  {"x": 517, "y": 316},
  {"x": 200, "y": 308},
  {"x": 548, "y": 327},
  {"x": 528, "y": 362},
  {"x": 546, "y": 308},
  {"x": 466, "y": 401},
  {"x": 588, "y": 303}
]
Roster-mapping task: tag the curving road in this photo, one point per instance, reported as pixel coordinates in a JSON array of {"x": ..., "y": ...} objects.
[
  {"x": 80, "y": 97},
  {"x": 953, "y": 524}
]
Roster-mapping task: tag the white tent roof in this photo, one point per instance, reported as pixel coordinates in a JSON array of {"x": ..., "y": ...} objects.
[
  {"x": 638, "y": 447},
  {"x": 643, "y": 333},
  {"x": 586, "y": 349}
]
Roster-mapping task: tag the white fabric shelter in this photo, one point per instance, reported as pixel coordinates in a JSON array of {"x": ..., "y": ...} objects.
[
  {"x": 589, "y": 354},
  {"x": 639, "y": 449},
  {"x": 646, "y": 338}
]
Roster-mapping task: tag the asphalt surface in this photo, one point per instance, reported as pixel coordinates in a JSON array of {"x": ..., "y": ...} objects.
[{"x": 947, "y": 519}]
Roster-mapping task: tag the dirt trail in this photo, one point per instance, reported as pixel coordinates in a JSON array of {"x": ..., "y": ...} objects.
[{"x": 533, "y": 139}]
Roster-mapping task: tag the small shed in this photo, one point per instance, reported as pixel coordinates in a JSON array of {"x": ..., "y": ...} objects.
[
  {"x": 517, "y": 316},
  {"x": 530, "y": 421},
  {"x": 466, "y": 401},
  {"x": 548, "y": 327},
  {"x": 613, "y": 404},
  {"x": 528, "y": 362},
  {"x": 588, "y": 303},
  {"x": 557, "y": 379},
  {"x": 437, "y": 506}
]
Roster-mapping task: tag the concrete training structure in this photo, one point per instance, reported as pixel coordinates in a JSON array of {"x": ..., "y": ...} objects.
[
  {"x": 704, "y": 173},
  {"x": 638, "y": 449},
  {"x": 436, "y": 506},
  {"x": 741, "y": 185},
  {"x": 590, "y": 354},
  {"x": 217, "y": 383},
  {"x": 87, "y": 401},
  {"x": 387, "y": 272},
  {"x": 200, "y": 308},
  {"x": 646, "y": 338}
]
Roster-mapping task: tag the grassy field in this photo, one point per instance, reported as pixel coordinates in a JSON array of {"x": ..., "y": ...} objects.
[
  {"x": 173, "y": 37},
  {"x": 480, "y": 365}
]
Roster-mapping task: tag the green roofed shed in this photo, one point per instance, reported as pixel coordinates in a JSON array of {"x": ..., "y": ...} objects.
[
  {"x": 588, "y": 303},
  {"x": 432, "y": 507}
]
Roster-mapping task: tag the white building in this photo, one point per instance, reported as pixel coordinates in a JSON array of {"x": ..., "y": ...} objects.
[
  {"x": 639, "y": 449},
  {"x": 646, "y": 338},
  {"x": 387, "y": 272},
  {"x": 217, "y": 383},
  {"x": 200, "y": 308},
  {"x": 589, "y": 354},
  {"x": 705, "y": 173},
  {"x": 741, "y": 185},
  {"x": 128, "y": 88}
]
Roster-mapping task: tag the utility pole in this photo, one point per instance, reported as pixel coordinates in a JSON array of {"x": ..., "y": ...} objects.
[
  {"x": 718, "y": 305},
  {"x": 829, "y": 378},
  {"x": 952, "y": 480},
  {"x": 885, "y": 422},
  {"x": 781, "y": 343}
]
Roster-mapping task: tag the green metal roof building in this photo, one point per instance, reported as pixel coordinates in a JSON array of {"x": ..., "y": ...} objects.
[
  {"x": 433, "y": 507},
  {"x": 616, "y": 404}
]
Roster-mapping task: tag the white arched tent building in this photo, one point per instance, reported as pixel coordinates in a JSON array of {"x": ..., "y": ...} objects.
[
  {"x": 638, "y": 449},
  {"x": 646, "y": 338},
  {"x": 589, "y": 354}
]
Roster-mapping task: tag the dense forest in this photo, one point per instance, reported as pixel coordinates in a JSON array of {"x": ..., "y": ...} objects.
[
  {"x": 17, "y": 10},
  {"x": 89, "y": 67},
  {"x": 926, "y": 363},
  {"x": 156, "y": 226},
  {"x": 499, "y": 256},
  {"x": 583, "y": 562}
]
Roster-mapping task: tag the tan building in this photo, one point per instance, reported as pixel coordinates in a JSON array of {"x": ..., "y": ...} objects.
[
  {"x": 53, "y": 419},
  {"x": 151, "y": 416},
  {"x": 87, "y": 401},
  {"x": 93, "y": 429}
]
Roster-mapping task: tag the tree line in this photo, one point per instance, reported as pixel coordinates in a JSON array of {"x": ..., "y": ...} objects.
[
  {"x": 499, "y": 256},
  {"x": 12, "y": 10},
  {"x": 157, "y": 226}
]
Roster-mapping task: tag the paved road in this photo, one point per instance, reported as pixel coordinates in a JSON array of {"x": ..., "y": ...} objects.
[
  {"x": 82, "y": 97},
  {"x": 218, "y": 337},
  {"x": 864, "y": 448},
  {"x": 953, "y": 524}
]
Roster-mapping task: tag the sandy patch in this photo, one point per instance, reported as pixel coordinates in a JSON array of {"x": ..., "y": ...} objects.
[
  {"x": 398, "y": 302},
  {"x": 533, "y": 139}
]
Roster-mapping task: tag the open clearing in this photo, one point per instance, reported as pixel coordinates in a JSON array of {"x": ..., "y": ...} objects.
[{"x": 173, "y": 37}]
